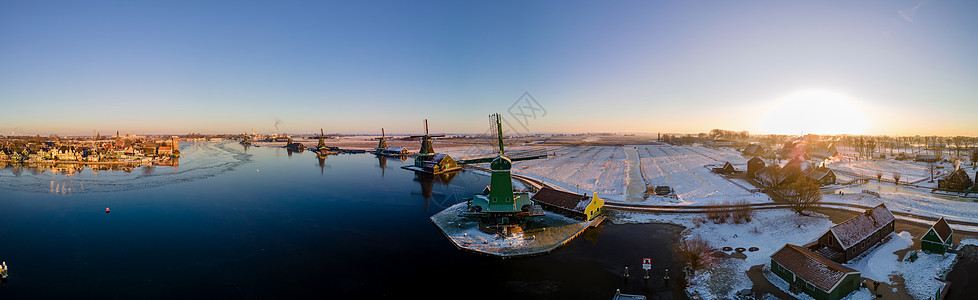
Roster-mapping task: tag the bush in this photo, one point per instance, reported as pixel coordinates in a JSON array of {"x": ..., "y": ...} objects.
[
  {"x": 742, "y": 212},
  {"x": 696, "y": 252}
]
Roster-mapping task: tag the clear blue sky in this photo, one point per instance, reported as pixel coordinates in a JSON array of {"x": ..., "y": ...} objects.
[{"x": 71, "y": 67}]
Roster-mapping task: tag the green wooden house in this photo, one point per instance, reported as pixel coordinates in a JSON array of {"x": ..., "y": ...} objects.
[
  {"x": 938, "y": 237},
  {"x": 819, "y": 277}
]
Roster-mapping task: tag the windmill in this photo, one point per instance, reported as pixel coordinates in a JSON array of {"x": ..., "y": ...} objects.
[
  {"x": 321, "y": 149},
  {"x": 498, "y": 208},
  {"x": 426, "y": 148},
  {"x": 496, "y": 142},
  {"x": 427, "y": 161}
]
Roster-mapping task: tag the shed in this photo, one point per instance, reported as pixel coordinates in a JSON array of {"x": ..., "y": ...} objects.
[
  {"x": 938, "y": 237},
  {"x": 726, "y": 169}
]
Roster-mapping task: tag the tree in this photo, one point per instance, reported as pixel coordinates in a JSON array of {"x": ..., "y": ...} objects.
[
  {"x": 879, "y": 176},
  {"x": 803, "y": 195},
  {"x": 696, "y": 252},
  {"x": 896, "y": 177}
]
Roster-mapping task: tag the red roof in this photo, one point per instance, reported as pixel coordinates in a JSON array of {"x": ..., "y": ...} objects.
[
  {"x": 861, "y": 226},
  {"x": 562, "y": 199},
  {"x": 943, "y": 230},
  {"x": 819, "y": 271}
]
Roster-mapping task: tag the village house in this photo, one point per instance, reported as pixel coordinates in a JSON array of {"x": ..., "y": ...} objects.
[
  {"x": 938, "y": 237},
  {"x": 926, "y": 158},
  {"x": 821, "y": 176},
  {"x": 957, "y": 180},
  {"x": 849, "y": 239},
  {"x": 817, "y": 276},
  {"x": 570, "y": 204},
  {"x": 754, "y": 149},
  {"x": 753, "y": 165}
]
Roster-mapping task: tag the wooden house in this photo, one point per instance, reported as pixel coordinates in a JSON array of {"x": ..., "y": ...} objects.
[
  {"x": 573, "y": 205},
  {"x": 926, "y": 158},
  {"x": 938, "y": 237},
  {"x": 821, "y": 176},
  {"x": 753, "y": 165},
  {"x": 819, "y": 277},
  {"x": 726, "y": 169},
  {"x": 957, "y": 180},
  {"x": 849, "y": 239},
  {"x": 754, "y": 149}
]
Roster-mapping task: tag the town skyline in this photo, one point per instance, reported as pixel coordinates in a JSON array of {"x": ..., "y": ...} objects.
[{"x": 899, "y": 68}]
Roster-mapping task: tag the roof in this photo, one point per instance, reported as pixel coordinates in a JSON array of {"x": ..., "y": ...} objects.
[
  {"x": 752, "y": 148},
  {"x": 754, "y": 160},
  {"x": 819, "y": 173},
  {"x": 562, "y": 199},
  {"x": 819, "y": 271},
  {"x": 861, "y": 226},
  {"x": 942, "y": 229}
]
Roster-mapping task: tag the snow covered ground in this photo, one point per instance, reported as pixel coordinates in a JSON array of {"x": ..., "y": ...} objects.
[
  {"x": 914, "y": 203},
  {"x": 597, "y": 169},
  {"x": 880, "y": 263},
  {"x": 687, "y": 170},
  {"x": 769, "y": 231},
  {"x": 909, "y": 170},
  {"x": 919, "y": 275}
]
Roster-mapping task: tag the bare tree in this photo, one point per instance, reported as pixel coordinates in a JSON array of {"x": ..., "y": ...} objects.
[
  {"x": 896, "y": 177},
  {"x": 803, "y": 195},
  {"x": 879, "y": 176},
  {"x": 696, "y": 252}
]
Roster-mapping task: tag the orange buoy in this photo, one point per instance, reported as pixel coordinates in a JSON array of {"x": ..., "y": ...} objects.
[{"x": 106, "y": 210}]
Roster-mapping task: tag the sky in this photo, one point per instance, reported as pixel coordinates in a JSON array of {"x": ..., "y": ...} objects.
[{"x": 161, "y": 67}]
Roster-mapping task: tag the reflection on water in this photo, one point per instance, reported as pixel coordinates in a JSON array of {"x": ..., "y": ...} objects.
[{"x": 202, "y": 160}]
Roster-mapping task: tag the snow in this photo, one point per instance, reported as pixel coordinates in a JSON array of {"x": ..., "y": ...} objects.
[
  {"x": 768, "y": 231},
  {"x": 597, "y": 169},
  {"x": 922, "y": 204},
  {"x": 919, "y": 275},
  {"x": 687, "y": 170},
  {"x": 880, "y": 263}
]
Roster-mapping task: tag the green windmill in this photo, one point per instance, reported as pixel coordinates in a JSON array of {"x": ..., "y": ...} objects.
[
  {"x": 427, "y": 161},
  {"x": 499, "y": 208}
]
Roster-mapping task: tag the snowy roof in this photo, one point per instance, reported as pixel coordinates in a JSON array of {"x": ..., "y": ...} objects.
[
  {"x": 942, "y": 229},
  {"x": 753, "y": 148},
  {"x": 861, "y": 226},
  {"x": 824, "y": 153},
  {"x": 819, "y": 173},
  {"x": 562, "y": 199},
  {"x": 819, "y": 271}
]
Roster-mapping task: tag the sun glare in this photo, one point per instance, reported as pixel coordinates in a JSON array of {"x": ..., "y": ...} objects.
[{"x": 814, "y": 111}]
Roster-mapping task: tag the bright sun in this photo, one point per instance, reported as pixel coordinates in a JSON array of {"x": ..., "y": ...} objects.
[{"x": 814, "y": 111}]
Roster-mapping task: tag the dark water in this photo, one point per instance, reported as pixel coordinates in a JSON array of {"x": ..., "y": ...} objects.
[{"x": 231, "y": 222}]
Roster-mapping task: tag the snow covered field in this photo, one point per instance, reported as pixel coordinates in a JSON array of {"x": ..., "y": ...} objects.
[
  {"x": 918, "y": 204},
  {"x": 683, "y": 168},
  {"x": 909, "y": 171},
  {"x": 592, "y": 169}
]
